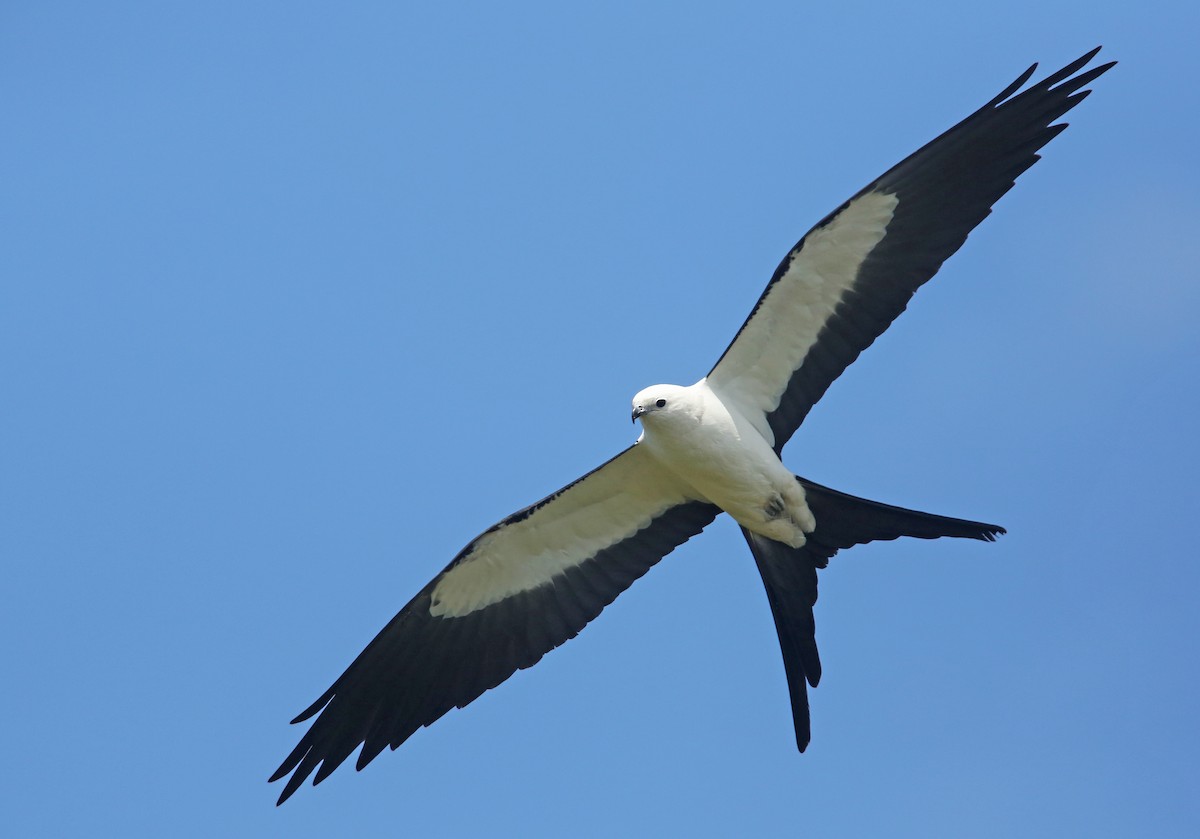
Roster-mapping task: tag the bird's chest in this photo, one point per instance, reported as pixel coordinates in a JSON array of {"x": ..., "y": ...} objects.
[{"x": 726, "y": 462}]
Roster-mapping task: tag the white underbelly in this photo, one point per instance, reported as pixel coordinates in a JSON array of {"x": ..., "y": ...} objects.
[{"x": 742, "y": 475}]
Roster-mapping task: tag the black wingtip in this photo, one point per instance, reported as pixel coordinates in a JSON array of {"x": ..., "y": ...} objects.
[
  {"x": 1016, "y": 85},
  {"x": 1063, "y": 75},
  {"x": 321, "y": 702},
  {"x": 299, "y": 764},
  {"x": 1070, "y": 70},
  {"x": 292, "y": 785}
]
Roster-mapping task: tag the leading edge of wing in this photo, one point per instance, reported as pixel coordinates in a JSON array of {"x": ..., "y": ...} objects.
[
  {"x": 850, "y": 276},
  {"x": 522, "y": 588}
]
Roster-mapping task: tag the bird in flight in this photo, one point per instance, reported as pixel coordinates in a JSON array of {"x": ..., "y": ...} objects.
[{"x": 535, "y": 579}]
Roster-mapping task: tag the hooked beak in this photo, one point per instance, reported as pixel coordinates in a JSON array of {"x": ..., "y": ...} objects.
[{"x": 637, "y": 412}]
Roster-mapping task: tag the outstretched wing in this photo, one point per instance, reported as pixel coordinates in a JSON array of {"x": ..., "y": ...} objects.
[
  {"x": 516, "y": 592},
  {"x": 844, "y": 283}
]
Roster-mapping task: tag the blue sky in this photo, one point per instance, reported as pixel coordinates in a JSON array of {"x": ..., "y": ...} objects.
[{"x": 298, "y": 298}]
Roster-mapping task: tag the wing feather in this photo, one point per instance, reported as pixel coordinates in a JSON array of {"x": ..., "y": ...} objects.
[
  {"x": 519, "y": 590},
  {"x": 850, "y": 276}
]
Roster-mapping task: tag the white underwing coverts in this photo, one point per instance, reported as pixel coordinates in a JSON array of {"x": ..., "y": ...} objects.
[{"x": 535, "y": 579}]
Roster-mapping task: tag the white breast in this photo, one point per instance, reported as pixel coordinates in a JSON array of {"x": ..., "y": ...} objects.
[{"x": 725, "y": 459}]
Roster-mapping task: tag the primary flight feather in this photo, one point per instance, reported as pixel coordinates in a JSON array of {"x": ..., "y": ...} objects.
[{"x": 535, "y": 579}]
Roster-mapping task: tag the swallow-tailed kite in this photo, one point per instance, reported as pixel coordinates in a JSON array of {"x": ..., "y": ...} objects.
[{"x": 537, "y": 578}]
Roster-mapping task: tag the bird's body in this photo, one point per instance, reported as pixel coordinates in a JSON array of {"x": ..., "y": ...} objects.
[
  {"x": 534, "y": 580},
  {"x": 723, "y": 459}
]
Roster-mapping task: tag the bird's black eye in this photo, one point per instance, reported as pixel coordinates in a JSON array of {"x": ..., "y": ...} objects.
[{"x": 662, "y": 403}]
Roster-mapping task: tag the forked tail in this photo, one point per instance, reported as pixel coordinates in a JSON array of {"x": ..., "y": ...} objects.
[{"x": 790, "y": 574}]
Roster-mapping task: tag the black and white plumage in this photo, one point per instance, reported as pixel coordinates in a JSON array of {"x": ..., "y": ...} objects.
[{"x": 534, "y": 580}]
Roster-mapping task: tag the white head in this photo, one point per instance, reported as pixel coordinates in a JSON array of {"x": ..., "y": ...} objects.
[{"x": 660, "y": 401}]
